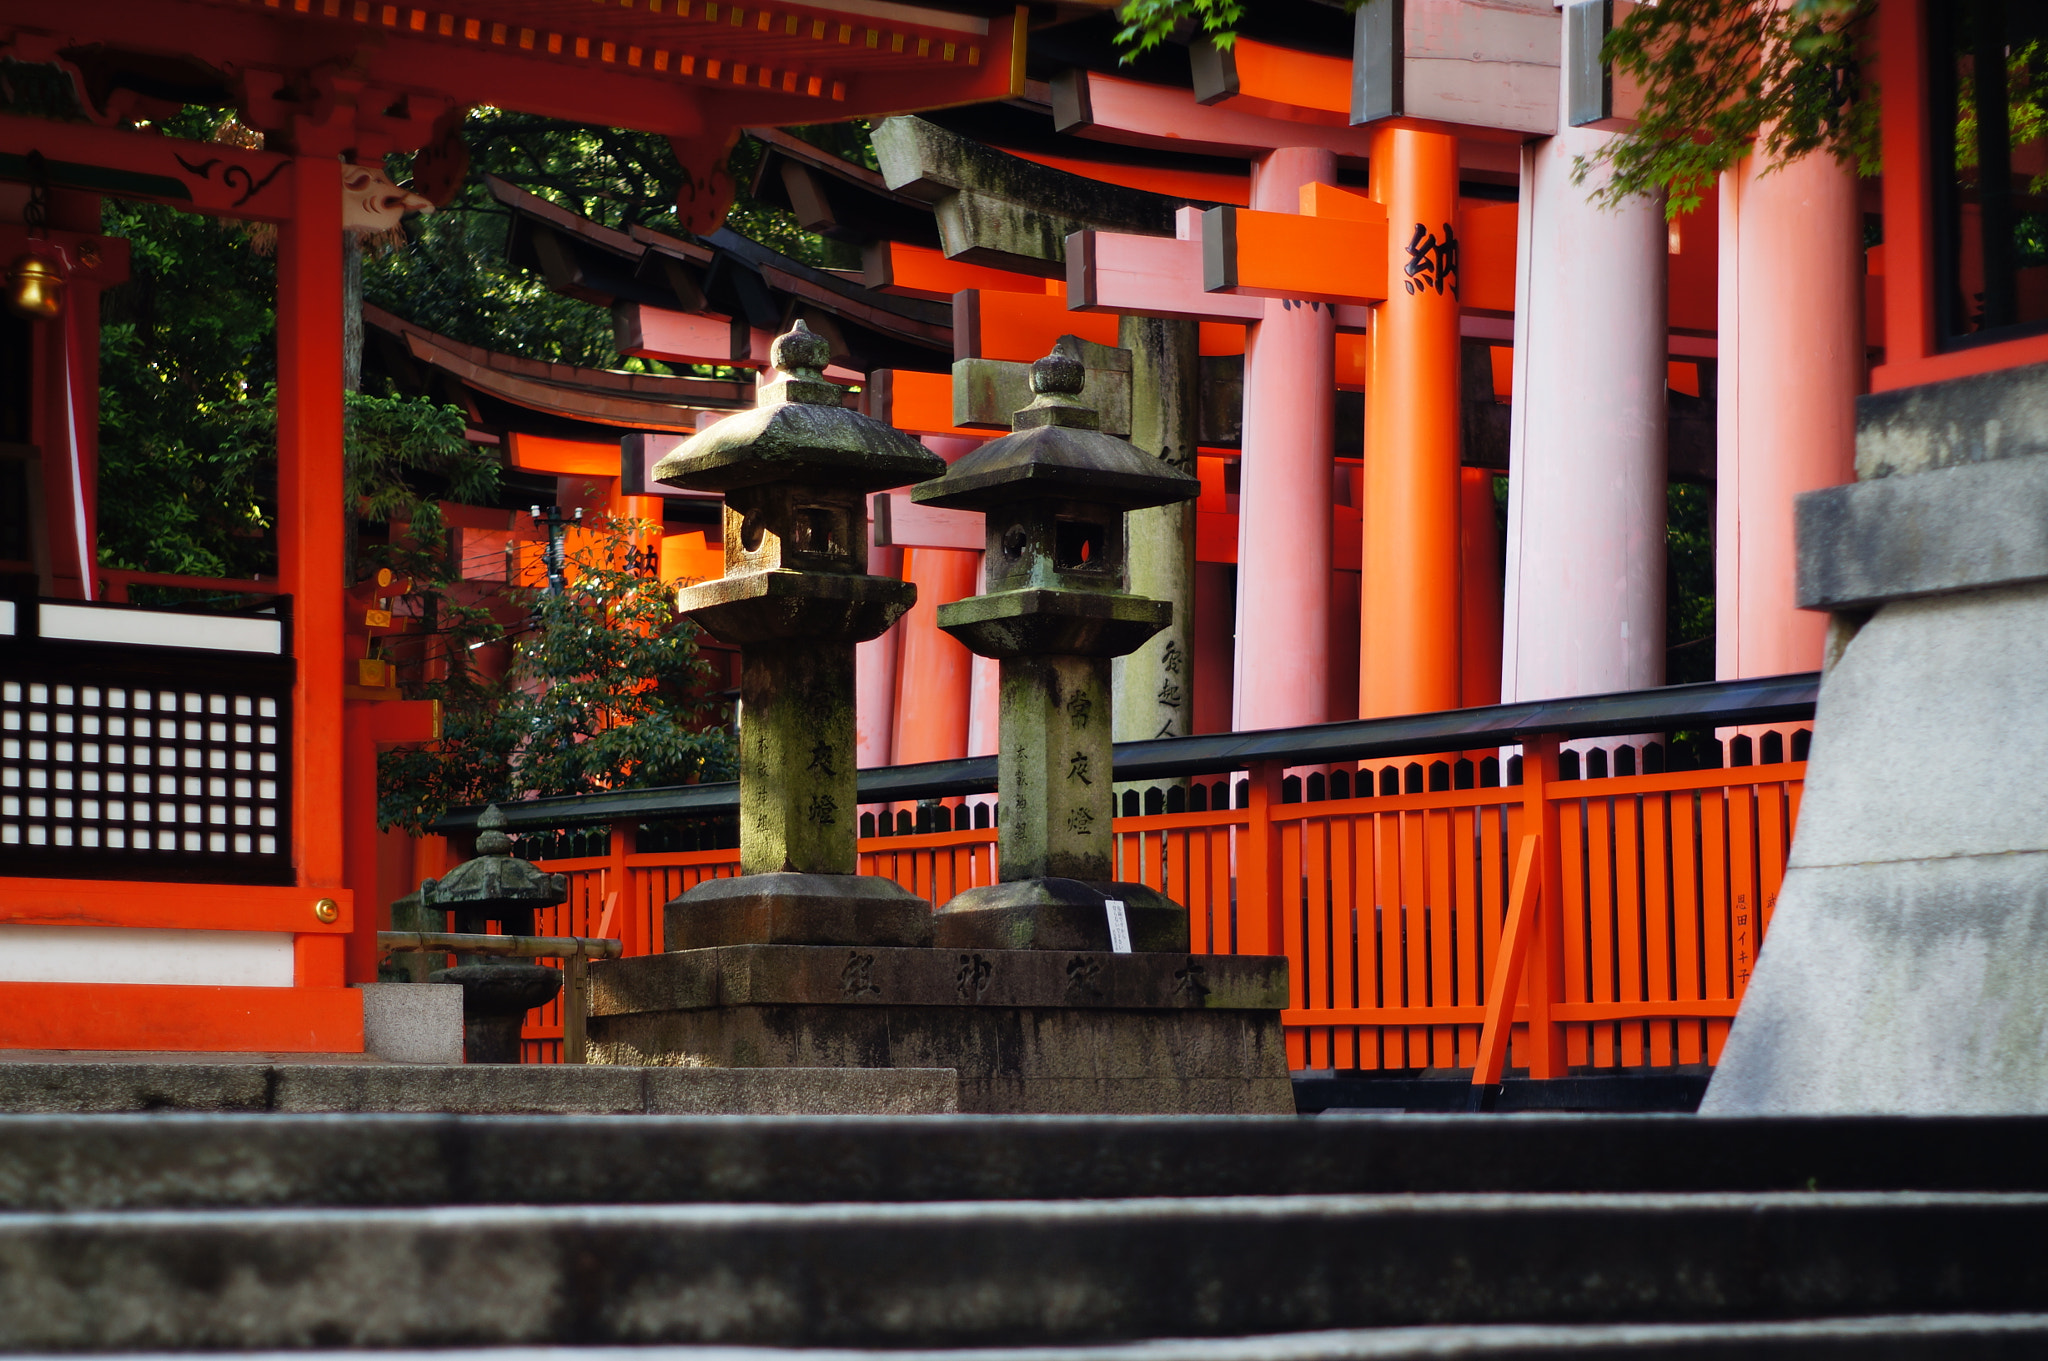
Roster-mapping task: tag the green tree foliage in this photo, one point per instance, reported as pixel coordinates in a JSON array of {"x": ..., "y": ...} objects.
[
  {"x": 451, "y": 274},
  {"x": 1721, "y": 78},
  {"x": 1148, "y": 23},
  {"x": 604, "y": 692}
]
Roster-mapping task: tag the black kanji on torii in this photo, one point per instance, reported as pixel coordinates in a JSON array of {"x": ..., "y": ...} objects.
[{"x": 1431, "y": 263}]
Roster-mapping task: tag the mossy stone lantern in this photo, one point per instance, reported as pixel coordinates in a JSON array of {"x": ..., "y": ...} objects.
[
  {"x": 795, "y": 472},
  {"x": 495, "y": 886},
  {"x": 1055, "y": 612}
]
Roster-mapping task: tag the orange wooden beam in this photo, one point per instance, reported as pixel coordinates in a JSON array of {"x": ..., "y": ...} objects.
[
  {"x": 563, "y": 457},
  {"x": 1280, "y": 82},
  {"x": 198, "y": 177},
  {"x": 157, "y": 1017},
  {"x": 673, "y": 337},
  {"x": 1208, "y": 186},
  {"x": 921, "y": 272},
  {"x": 1020, "y": 326},
  {"x": 174, "y": 907},
  {"x": 1292, "y": 256},
  {"x": 919, "y": 403}
]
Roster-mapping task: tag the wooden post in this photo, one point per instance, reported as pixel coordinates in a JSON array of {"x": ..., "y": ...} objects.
[
  {"x": 310, "y": 513},
  {"x": 575, "y": 1006},
  {"x": 1545, "y": 971},
  {"x": 1284, "y": 533},
  {"x": 1410, "y": 586},
  {"x": 1258, "y": 875}
]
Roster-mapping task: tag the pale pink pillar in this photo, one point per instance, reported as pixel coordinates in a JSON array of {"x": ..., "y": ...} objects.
[
  {"x": 874, "y": 678},
  {"x": 1284, "y": 495},
  {"x": 1584, "y": 606},
  {"x": 985, "y": 682},
  {"x": 1791, "y": 364}
]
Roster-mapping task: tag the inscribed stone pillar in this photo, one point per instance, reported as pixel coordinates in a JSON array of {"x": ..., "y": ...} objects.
[
  {"x": 1409, "y": 589},
  {"x": 1586, "y": 562},
  {"x": 1791, "y": 364},
  {"x": 1155, "y": 684},
  {"x": 1284, "y": 493}
]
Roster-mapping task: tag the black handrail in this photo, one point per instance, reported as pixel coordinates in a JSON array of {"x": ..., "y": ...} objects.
[{"x": 1716, "y": 704}]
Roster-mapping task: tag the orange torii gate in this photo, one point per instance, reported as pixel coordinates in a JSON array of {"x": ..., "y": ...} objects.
[{"x": 1342, "y": 258}]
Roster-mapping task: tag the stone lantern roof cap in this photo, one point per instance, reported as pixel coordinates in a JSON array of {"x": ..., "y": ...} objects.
[
  {"x": 495, "y": 877},
  {"x": 799, "y": 433},
  {"x": 1057, "y": 453}
]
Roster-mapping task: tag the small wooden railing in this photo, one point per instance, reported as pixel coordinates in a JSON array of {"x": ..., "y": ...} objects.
[{"x": 1545, "y": 924}]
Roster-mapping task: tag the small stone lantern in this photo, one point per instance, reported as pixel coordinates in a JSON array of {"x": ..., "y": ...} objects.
[
  {"x": 495, "y": 886},
  {"x": 796, "y": 472},
  {"x": 1056, "y": 611}
]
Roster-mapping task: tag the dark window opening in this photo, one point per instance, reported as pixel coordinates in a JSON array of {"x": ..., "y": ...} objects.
[
  {"x": 1079, "y": 546},
  {"x": 1988, "y": 95}
]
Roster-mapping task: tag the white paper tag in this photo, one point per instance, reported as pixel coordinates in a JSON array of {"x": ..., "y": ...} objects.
[{"x": 1119, "y": 926}]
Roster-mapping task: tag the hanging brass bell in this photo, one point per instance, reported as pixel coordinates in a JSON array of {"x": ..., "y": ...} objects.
[{"x": 35, "y": 287}]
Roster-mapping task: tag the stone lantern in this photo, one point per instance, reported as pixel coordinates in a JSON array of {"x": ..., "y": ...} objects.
[
  {"x": 1055, "y": 612},
  {"x": 795, "y": 598},
  {"x": 495, "y": 886}
]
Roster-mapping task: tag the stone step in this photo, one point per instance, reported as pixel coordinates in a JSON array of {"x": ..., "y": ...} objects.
[
  {"x": 121, "y": 1086},
  {"x": 1010, "y": 1273},
  {"x": 200, "y": 1161},
  {"x": 1910, "y": 1337}
]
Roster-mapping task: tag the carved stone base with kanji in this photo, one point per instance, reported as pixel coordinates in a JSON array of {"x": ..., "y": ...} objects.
[{"x": 1029, "y": 1031}]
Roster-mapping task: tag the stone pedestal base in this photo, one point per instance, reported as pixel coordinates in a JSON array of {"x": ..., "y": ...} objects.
[
  {"x": 1028, "y": 1031},
  {"x": 1058, "y": 914},
  {"x": 796, "y": 909}
]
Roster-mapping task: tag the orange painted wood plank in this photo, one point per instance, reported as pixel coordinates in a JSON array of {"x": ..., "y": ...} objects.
[
  {"x": 1246, "y": 253},
  {"x": 1631, "y": 986},
  {"x": 921, "y": 272},
  {"x": 1574, "y": 920},
  {"x": 1343, "y": 934},
  {"x": 152, "y": 1017},
  {"x": 1657, "y": 917},
  {"x": 1271, "y": 79},
  {"x": 1579, "y": 1013},
  {"x": 1020, "y": 326},
  {"x": 563, "y": 457},
  {"x": 191, "y": 907},
  {"x": 1387, "y": 887},
  {"x": 1486, "y": 255},
  {"x": 1505, "y": 986},
  {"x": 1201, "y": 917},
  {"x": 1291, "y": 923},
  {"x": 1468, "y": 982},
  {"x": 1687, "y": 919},
  {"x": 918, "y": 403},
  {"x": 1742, "y": 881},
  {"x": 1600, "y": 908},
  {"x": 674, "y": 337},
  {"x": 1774, "y": 839},
  {"x": 1207, "y": 186},
  {"x": 1317, "y": 967},
  {"x": 1415, "y": 929},
  {"x": 1443, "y": 964},
  {"x": 1714, "y": 914}
]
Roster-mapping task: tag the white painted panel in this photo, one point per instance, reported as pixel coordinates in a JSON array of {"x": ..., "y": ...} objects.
[
  {"x": 146, "y": 628},
  {"x": 114, "y": 954},
  {"x": 6, "y": 616}
]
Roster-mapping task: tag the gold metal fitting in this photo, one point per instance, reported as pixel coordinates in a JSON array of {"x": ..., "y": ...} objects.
[
  {"x": 35, "y": 287},
  {"x": 327, "y": 910}
]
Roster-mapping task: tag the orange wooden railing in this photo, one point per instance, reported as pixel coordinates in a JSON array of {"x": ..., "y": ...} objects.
[{"x": 1393, "y": 910}]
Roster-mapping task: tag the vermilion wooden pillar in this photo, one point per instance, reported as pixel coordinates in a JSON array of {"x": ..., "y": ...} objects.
[
  {"x": 309, "y": 529},
  {"x": 1409, "y": 660},
  {"x": 1791, "y": 364},
  {"x": 934, "y": 672},
  {"x": 1284, "y": 497},
  {"x": 1479, "y": 548}
]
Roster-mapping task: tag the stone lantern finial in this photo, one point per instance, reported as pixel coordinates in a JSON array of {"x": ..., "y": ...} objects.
[{"x": 1055, "y": 612}]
